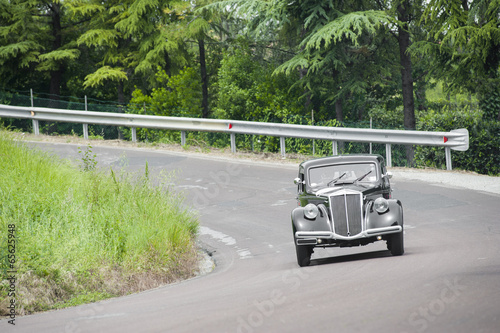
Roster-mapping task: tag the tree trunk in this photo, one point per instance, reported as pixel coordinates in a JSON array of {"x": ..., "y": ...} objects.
[
  {"x": 339, "y": 111},
  {"x": 302, "y": 74},
  {"x": 492, "y": 64},
  {"x": 204, "y": 78},
  {"x": 406, "y": 75},
  {"x": 307, "y": 93},
  {"x": 56, "y": 75}
]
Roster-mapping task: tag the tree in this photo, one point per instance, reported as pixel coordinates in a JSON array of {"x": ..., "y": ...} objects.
[
  {"x": 249, "y": 91},
  {"x": 201, "y": 27},
  {"x": 464, "y": 44},
  {"x": 355, "y": 27},
  {"x": 268, "y": 29},
  {"x": 341, "y": 47},
  {"x": 340, "y": 44},
  {"x": 36, "y": 37},
  {"x": 103, "y": 38},
  {"x": 130, "y": 38},
  {"x": 193, "y": 25},
  {"x": 177, "y": 95},
  {"x": 189, "y": 24}
]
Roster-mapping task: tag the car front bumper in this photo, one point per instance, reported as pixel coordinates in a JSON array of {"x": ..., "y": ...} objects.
[{"x": 311, "y": 237}]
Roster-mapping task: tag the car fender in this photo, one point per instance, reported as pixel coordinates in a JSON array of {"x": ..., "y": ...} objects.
[
  {"x": 393, "y": 216},
  {"x": 301, "y": 223}
]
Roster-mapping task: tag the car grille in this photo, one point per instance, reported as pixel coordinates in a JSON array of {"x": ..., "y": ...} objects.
[{"x": 346, "y": 213}]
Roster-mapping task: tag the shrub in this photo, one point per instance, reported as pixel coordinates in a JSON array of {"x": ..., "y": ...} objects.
[{"x": 484, "y": 141}]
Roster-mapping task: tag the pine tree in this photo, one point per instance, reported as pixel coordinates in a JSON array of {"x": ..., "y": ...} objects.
[
  {"x": 36, "y": 37},
  {"x": 132, "y": 39},
  {"x": 464, "y": 44}
]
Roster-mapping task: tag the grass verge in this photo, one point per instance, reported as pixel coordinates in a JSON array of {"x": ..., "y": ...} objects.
[{"x": 84, "y": 235}]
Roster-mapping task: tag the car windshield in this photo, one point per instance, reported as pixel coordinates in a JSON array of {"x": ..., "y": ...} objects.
[{"x": 331, "y": 175}]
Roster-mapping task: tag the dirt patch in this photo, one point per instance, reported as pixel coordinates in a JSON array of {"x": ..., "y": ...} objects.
[{"x": 37, "y": 294}]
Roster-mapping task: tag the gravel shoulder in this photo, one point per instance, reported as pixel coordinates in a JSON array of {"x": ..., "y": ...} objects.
[{"x": 459, "y": 179}]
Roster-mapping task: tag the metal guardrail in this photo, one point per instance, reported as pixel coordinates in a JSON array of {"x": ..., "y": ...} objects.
[{"x": 456, "y": 139}]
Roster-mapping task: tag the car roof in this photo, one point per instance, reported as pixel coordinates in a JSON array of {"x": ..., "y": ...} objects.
[{"x": 339, "y": 159}]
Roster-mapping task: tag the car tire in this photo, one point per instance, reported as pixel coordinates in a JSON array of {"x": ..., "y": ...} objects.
[
  {"x": 304, "y": 253},
  {"x": 396, "y": 244}
]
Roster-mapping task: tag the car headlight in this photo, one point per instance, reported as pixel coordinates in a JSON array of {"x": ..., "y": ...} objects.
[
  {"x": 381, "y": 205},
  {"x": 311, "y": 211}
]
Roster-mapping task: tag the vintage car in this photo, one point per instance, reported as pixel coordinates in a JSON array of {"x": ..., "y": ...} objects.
[{"x": 345, "y": 201}]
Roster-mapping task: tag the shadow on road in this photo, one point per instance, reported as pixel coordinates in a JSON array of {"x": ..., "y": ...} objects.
[{"x": 351, "y": 257}]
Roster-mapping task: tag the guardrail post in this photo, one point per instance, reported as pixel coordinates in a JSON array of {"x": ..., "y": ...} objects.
[
  {"x": 86, "y": 126},
  {"x": 371, "y": 126},
  {"x": 86, "y": 131},
  {"x": 312, "y": 124},
  {"x": 447, "y": 153},
  {"x": 134, "y": 134},
  {"x": 282, "y": 146},
  {"x": 335, "y": 150},
  {"x": 233, "y": 143},
  {"x": 183, "y": 138},
  {"x": 36, "y": 126},
  {"x": 388, "y": 154}
]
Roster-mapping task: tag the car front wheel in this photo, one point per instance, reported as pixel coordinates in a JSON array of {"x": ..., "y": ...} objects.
[
  {"x": 396, "y": 244},
  {"x": 304, "y": 253}
]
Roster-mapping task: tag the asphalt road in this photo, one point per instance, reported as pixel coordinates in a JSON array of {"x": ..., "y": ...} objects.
[{"x": 448, "y": 280}]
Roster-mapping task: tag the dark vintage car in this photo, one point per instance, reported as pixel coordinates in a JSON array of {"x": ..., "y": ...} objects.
[{"x": 345, "y": 201}]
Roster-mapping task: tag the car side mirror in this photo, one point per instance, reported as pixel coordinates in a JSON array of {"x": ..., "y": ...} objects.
[
  {"x": 388, "y": 175},
  {"x": 297, "y": 181}
]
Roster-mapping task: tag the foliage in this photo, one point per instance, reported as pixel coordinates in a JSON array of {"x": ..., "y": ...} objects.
[
  {"x": 37, "y": 41},
  {"x": 490, "y": 102},
  {"x": 111, "y": 46},
  {"x": 103, "y": 74},
  {"x": 178, "y": 95},
  {"x": 387, "y": 118},
  {"x": 77, "y": 230},
  {"x": 484, "y": 136},
  {"x": 464, "y": 44},
  {"x": 249, "y": 91},
  {"x": 89, "y": 162},
  {"x": 350, "y": 27}
]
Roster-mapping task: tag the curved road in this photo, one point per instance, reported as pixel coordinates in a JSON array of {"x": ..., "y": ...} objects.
[{"x": 448, "y": 280}]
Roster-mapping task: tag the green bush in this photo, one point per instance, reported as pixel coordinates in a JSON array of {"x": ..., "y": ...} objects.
[
  {"x": 249, "y": 91},
  {"x": 177, "y": 96},
  {"x": 483, "y": 155}
]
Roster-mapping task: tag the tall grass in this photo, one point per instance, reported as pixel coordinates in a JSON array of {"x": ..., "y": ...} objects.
[{"x": 87, "y": 235}]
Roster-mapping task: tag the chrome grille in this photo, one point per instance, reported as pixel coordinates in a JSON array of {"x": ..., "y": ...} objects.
[{"x": 347, "y": 213}]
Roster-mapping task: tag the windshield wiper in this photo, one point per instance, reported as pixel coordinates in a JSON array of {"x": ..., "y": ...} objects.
[
  {"x": 336, "y": 179},
  {"x": 366, "y": 174}
]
